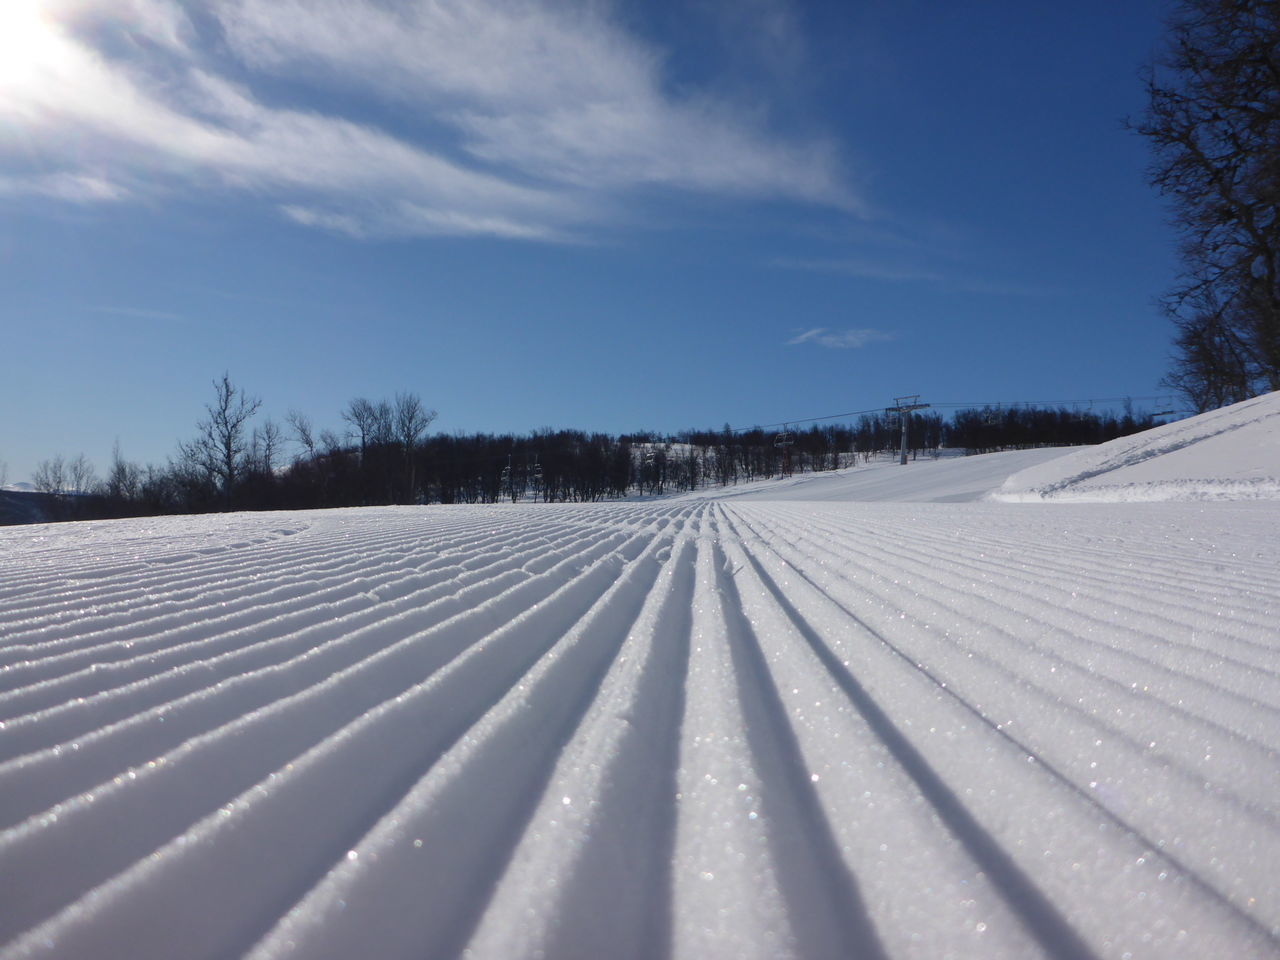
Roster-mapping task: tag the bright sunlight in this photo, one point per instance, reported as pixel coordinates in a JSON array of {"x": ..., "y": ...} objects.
[{"x": 29, "y": 41}]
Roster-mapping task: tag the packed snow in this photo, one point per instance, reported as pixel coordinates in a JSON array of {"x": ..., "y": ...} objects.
[
  {"x": 1227, "y": 454},
  {"x": 952, "y": 478},
  {"x": 784, "y": 722}
]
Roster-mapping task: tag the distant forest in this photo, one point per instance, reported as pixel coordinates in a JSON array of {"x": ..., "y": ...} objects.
[{"x": 385, "y": 456}]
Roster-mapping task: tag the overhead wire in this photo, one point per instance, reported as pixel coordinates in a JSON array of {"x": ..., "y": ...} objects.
[{"x": 1167, "y": 399}]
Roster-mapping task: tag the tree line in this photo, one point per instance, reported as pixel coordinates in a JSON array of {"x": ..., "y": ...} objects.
[{"x": 384, "y": 455}]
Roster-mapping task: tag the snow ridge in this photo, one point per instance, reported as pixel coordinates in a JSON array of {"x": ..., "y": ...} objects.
[{"x": 1232, "y": 453}]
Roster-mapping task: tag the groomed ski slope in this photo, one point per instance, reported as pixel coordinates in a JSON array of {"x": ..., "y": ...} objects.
[
  {"x": 1227, "y": 454},
  {"x": 953, "y": 478},
  {"x": 695, "y": 728}
]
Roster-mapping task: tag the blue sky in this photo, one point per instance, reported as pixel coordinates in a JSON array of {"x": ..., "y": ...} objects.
[{"x": 603, "y": 215}]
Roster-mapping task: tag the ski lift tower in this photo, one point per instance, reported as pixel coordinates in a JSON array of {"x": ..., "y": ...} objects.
[
  {"x": 783, "y": 442},
  {"x": 904, "y": 406}
]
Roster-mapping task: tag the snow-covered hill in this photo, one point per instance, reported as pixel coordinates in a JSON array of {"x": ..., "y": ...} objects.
[
  {"x": 1227, "y": 454},
  {"x": 946, "y": 479},
  {"x": 694, "y": 728}
]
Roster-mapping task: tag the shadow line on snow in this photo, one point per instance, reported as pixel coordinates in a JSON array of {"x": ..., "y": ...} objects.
[
  {"x": 629, "y": 869},
  {"x": 1053, "y": 651},
  {"x": 822, "y": 895},
  {"x": 1040, "y": 917},
  {"x": 841, "y": 674},
  {"x": 521, "y": 754},
  {"x": 131, "y": 842}
]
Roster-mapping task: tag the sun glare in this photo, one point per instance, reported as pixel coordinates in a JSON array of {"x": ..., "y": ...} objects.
[{"x": 29, "y": 41}]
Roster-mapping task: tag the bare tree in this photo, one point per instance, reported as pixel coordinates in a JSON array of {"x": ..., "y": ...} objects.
[
  {"x": 4, "y": 473},
  {"x": 303, "y": 435},
  {"x": 410, "y": 422},
  {"x": 1213, "y": 124},
  {"x": 363, "y": 417},
  {"x": 266, "y": 447},
  {"x": 374, "y": 426},
  {"x": 124, "y": 479},
  {"x": 81, "y": 477},
  {"x": 220, "y": 447},
  {"x": 51, "y": 476},
  {"x": 330, "y": 443},
  {"x": 384, "y": 431}
]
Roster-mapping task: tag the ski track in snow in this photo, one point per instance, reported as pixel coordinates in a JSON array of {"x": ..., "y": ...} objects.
[{"x": 689, "y": 728}]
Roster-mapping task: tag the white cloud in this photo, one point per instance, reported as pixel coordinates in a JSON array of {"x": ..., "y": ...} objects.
[
  {"x": 409, "y": 219},
  {"x": 490, "y": 51},
  {"x": 552, "y": 91},
  {"x": 840, "y": 339},
  {"x": 71, "y": 187},
  {"x": 513, "y": 119},
  {"x": 205, "y": 128}
]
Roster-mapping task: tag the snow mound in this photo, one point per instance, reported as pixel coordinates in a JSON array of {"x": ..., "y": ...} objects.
[
  {"x": 947, "y": 479},
  {"x": 1232, "y": 453}
]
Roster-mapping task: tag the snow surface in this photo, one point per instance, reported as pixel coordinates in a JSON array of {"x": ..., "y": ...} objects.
[
  {"x": 946, "y": 479},
  {"x": 1227, "y": 454},
  {"x": 690, "y": 728}
]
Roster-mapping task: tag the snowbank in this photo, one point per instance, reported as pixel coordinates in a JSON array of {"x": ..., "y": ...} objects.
[
  {"x": 946, "y": 479},
  {"x": 1228, "y": 454}
]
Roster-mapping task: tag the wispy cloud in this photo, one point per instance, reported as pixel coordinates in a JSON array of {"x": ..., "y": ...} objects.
[
  {"x": 68, "y": 186},
  {"x": 840, "y": 339},
  {"x": 768, "y": 29},
  {"x": 954, "y": 278},
  {"x": 527, "y": 120}
]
